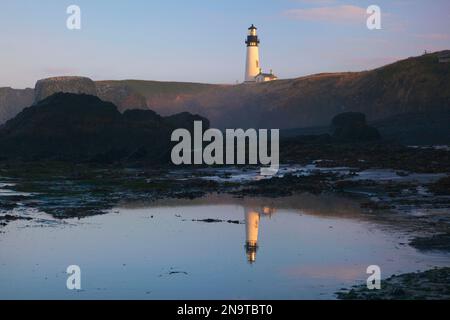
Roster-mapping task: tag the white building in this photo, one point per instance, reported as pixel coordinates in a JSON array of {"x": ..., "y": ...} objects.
[
  {"x": 253, "y": 71},
  {"x": 264, "y": 77}
]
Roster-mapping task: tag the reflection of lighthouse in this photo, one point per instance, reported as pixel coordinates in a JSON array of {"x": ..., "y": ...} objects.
[
  {"x": 252, "y": 226},
  {"x": 252, "y": 217}
]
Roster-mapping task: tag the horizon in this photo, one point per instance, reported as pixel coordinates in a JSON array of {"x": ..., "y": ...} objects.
[
  {"x": 133, "y": 41},
  {"x": 217, "y": 84}
]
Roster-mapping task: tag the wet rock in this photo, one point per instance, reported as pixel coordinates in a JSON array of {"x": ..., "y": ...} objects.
[
  {"x": 397, "y": 292},
  {"x": 373, "y": 205},
  {"x": 439, "y": 242},
  {"x": 4, "y": 220},
  {"x": 288, "y": 185},
  {"x": 441, "y": 187},
  {"x": 217, "y": 221},
  {"x": 367, "y": 155},
  {"x": 208, "y": 220},
  {"x": 178, "y": 272},
  {"x": 428, "y": 285},
  {"x": 352, "y": 127},
  {"x": 9, "y": 218}
]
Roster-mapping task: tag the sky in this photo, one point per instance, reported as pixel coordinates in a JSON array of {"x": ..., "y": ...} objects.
[{"x": 203, "y": 40}]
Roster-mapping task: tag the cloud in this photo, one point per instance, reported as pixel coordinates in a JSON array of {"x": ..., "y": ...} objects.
[{"x": 335, "y": 14}]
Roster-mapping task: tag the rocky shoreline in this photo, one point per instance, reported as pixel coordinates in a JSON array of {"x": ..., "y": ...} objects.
[
  {"x": 415, "y": 201},
  {"x": 432, "y": 284}
]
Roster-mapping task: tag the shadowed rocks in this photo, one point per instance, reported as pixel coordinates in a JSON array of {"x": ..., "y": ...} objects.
[
  {"x": 72, "y": 127},
  {"x": 352, "y": 127}
]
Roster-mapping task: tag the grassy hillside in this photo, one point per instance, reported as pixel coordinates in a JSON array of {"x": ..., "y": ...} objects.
[
  {"x": 414, "y": 85},
  {"x": 418, "y": 84},
  {"x": 149, "y": 89}
]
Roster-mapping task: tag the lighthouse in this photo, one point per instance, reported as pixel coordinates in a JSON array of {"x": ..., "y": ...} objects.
[{"x": 252, "y": 68}]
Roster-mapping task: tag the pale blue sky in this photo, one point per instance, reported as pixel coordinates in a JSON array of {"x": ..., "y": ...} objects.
[{"x": 203, "y": 40}]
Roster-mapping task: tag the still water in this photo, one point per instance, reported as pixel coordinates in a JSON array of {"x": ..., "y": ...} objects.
[{"x": 302, "y": 247}]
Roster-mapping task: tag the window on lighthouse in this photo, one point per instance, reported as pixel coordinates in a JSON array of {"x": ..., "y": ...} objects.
[{"x": 257, "y": 63}]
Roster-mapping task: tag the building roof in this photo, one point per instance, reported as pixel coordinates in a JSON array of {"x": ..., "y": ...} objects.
[
  {"x": 252, "y": 28},
  {"x": 267, "y": 75}
]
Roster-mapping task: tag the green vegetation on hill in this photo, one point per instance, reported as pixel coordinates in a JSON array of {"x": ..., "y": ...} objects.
[
  {"x": 150, "y": 88},
  {"x": 413, "y": 85}
]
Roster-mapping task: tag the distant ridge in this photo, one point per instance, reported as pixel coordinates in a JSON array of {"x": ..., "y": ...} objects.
[
  {"x": 414, "y": 85},
  {"x": 12, "y": 101}
]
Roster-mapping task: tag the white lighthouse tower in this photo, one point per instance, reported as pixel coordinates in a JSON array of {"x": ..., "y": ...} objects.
[{"x": 252, "y": 68}]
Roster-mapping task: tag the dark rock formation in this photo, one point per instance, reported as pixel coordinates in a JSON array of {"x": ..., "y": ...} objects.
[
  {"x": 432, "y": 284},
  {"x": 345, "y": 128},
  {"x": 72, "y": 127},
  {"x": 179, "y": 119},
  {"x": 441, "y": 187},
  {"x": 420, "y": 128},
  {"x": 352, "y": 127},
  {"x": 79, "y": 85}
]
